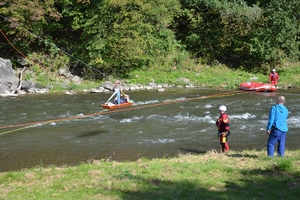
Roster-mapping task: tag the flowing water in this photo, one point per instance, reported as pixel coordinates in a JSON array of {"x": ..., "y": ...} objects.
[{"x": 158, "y": 124}]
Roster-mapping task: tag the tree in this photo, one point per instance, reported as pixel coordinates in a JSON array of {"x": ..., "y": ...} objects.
[
  {"x": 121, "y": 36},
  {"x": 240, "y": 33}
]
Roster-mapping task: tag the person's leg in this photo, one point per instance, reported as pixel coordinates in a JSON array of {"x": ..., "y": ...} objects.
[
  {"x": 281, "y": 143},
  {"x": 222, "y": 144},
  {"x": 226, "y": 149},
  {"x": 271, "y": 142}
]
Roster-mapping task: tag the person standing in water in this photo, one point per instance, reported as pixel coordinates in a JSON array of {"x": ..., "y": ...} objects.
[{"x": 223, "y": 124}]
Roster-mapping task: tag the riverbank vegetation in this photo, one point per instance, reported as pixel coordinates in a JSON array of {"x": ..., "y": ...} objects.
[
  {"x": 248, "y": 174},
  {"x": 211, "y": 42},
  {"x": 216, "y": 77}
]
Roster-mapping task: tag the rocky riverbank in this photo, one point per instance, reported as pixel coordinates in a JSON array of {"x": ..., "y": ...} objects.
[{"x": 12, "y": 83}]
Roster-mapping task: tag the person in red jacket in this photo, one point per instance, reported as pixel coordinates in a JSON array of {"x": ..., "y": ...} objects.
[
  {"x": 273, "y": 78},
  {"x": 223, "y": 124}
]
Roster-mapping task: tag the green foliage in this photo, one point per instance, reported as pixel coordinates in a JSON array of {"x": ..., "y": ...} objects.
[
  {"x": 236, "y": 33},
  {"x": 218, "y": 76},
  {"x": 26, "y": 20},
  {"x": 116, "y": 37},
  {"x": 283, "y": 29},
  {"x": 48, "y": 62},
  {"x": 132, "y": 34}
]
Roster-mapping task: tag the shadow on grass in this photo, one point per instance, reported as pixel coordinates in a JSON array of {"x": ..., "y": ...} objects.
[{"x": 254, "y": 184}]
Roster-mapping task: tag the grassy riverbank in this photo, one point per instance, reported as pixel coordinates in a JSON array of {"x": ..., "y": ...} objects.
[
  {"x": 202, "y": 77},
  {"x": 212, "y": 175},
  {"x": 217, "y": 76}
]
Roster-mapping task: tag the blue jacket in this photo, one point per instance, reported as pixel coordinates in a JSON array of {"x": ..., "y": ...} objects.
[{"x": 277, "y": 118}]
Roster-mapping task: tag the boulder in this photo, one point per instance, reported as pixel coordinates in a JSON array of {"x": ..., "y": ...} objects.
[
  {"x": 108, "y": 86},
  {"x": 8, "y": 79}
]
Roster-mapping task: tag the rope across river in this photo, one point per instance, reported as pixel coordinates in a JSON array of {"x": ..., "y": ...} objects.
[{"x": 105, "y": 112}]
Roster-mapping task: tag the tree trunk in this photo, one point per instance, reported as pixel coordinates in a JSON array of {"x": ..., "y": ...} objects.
[{"x": 20, "y": 81}]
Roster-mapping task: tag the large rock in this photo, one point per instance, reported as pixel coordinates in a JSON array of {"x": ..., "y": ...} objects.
[
  {"x": 8, "y": 79},
  {"x": 108, "y": 86}
]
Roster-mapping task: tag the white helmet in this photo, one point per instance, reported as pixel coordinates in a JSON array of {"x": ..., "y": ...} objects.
[
  {"x": 274, "y": 70},
  {"x": 223, "y": 108}
]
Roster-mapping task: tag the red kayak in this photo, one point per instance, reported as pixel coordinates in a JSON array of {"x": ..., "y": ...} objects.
[
  {"x": 111, "y": 106},
  {"x": 257, "y": 87}
]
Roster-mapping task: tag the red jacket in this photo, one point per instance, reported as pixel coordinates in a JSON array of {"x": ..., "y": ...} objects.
[
  {"x": 223, "y": 123},
  {"x": 273, "y": 78}
]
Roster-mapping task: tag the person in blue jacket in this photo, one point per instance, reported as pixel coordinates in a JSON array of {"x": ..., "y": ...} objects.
[{"x": 277, "y": 127}]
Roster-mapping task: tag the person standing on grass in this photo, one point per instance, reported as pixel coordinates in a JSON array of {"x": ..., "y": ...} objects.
[
  {"x": 277, "y": 127},
  {"x": 273, "y": 78},
  {"x": 223, "y": 124}
]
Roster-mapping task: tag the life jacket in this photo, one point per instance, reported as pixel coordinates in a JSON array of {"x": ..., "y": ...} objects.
[
  {"x": 274, "y": 76},
  {"x": 223, "y": 123}
]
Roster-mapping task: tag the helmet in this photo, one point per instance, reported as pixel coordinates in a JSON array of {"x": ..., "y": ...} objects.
[
  {"x": 273, "y": 70},
  {"x": 223, "y": 108}
]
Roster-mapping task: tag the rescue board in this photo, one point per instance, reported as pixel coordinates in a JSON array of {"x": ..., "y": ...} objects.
[
  {"x": 257, "y": 87},
  {"x": 111, "y": 106}
]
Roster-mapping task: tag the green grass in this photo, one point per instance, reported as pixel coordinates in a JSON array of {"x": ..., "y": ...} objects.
[
  {"x": 248, "y": 174},
  {"x": 215, "y": 76},
  {"x": 202, "y": 76}
]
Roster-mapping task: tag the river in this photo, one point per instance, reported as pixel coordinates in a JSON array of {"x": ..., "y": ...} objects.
[{"x": 159, "y": 124}]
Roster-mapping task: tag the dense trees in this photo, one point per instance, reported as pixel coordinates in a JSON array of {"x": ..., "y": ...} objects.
[
  {"x": 117, "y": 36},
  {"x": 237, "y": 33}
]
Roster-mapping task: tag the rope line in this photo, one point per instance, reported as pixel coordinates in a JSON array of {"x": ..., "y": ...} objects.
[
  {"x": 12, "y": 44},
  {"x": 53, "y": 45},
  {"x": 14, "y": 47},
  {"x": 104, "y": 112}
]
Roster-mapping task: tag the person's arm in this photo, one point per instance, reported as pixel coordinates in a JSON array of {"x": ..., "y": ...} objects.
[
  {"x": 271, "y": 119},
  {"x": 270, "y": 78},
  {"x": 226, "y": 120},
  {"x": 124, "y": 95}
]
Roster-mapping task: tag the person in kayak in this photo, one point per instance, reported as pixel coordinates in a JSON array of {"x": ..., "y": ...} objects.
[
  {"x": 123, "y": 99},
  {"x": 121, "y": 96}
]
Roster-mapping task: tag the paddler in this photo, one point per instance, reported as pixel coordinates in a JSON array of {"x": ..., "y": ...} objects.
[
  {"x": 121, "y": 96},
  {"x": 223, "y": 124}
]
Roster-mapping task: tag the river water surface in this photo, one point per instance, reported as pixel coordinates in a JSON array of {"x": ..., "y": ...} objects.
[{"x": 158, "y": 124}]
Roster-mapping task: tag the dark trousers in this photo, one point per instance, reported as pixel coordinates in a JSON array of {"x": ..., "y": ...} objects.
[{"x": 276, "y": 136}]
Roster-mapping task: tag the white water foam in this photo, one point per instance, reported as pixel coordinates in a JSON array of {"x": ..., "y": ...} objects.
[
  {"x": 129, "y": 120},
  {"x": 158, "y": 141},
  {"x": 208, "y": 106},
  {"x": 243, "y": 116},
  {"x": 293, "y": 122},
  {"x": 146, "y": 102}
]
